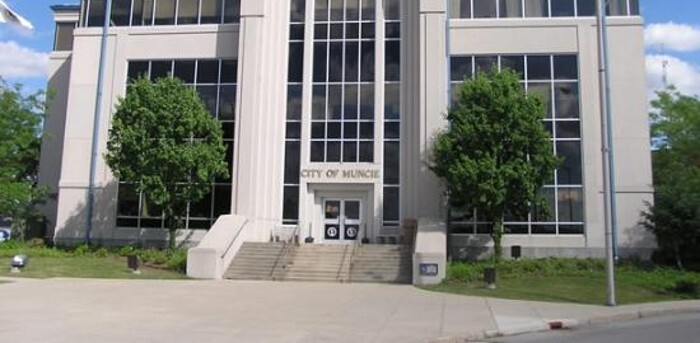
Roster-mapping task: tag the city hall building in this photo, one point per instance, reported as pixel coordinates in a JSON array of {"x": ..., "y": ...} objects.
[{"x": 329, "y": 107}]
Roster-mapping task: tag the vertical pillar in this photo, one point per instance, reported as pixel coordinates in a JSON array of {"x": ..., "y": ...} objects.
[
  {"x": 425, "y": 106},
  {"x": 260, "y": 115}
]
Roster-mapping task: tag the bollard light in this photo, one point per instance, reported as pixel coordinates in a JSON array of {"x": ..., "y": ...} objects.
[
  {"x": 18, "y": 262},
  {"x": 134, "y": 263}
]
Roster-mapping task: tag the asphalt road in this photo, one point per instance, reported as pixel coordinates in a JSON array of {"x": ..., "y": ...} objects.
[{"x": 667, "y": 329}]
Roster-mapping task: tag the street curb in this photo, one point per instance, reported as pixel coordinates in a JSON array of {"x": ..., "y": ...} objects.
[{"x": 562, "y": 324}]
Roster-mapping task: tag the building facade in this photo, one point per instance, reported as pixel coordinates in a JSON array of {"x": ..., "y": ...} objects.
[{"x": 329, "y": 107}]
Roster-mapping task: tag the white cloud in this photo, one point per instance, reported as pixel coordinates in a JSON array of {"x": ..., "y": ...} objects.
[
  {"x": 673, "y": 37},
  {"x": 17, "y": 61},
  {"x": 681, "y": 74}
]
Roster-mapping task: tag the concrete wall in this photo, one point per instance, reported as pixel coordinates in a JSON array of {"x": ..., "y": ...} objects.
[
  {"x": 629, "y": 111},
  {"x": 124, "y": 44}
]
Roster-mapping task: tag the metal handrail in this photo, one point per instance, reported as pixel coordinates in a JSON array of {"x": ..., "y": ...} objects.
[
  {"x": 235, "y": 238},
  {"x": 287, "y": 249},
  {"x": 355, "y": 247}
]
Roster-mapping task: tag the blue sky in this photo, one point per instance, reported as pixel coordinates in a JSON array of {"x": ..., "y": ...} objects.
[{"x": 23, "y": 54}]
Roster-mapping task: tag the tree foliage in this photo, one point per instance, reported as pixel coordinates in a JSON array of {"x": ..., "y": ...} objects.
[
  {"x": 495, "y": 155},
  {"x": 21, "y": 118},
  {"x": 675, "y": 216},
  {"x": 164, "y": 140}
]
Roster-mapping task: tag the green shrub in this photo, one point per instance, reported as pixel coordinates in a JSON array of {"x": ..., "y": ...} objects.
[
  {"x": 126, "y": 251},
  {"x": 178, "y": 261},
  {"x": 687, "y": 288}
]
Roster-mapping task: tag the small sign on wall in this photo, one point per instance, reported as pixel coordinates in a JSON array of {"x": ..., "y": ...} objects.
[{"x": 428, "y": 269}]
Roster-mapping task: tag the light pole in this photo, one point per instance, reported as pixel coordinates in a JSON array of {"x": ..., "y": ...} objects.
[
  {"x": 607, "y": 149},
  {"x": 96, "y": 123}
]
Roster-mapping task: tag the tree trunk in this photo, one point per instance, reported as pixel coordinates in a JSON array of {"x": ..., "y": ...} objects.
[
  {"x": 497, "y": 236},
  {"x": 677, "y": 253}
]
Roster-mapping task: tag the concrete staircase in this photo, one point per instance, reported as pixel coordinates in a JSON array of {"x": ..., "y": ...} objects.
[
  {"x": 259, "y": 261},
  {"x": 382, "y": 264},
  {"x": 317, "y": 262}
]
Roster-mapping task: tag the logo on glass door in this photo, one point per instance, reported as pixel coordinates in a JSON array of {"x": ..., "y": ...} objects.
[{"x": 342, "y": 220}]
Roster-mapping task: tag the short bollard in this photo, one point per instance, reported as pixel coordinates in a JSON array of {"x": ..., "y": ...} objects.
[
  {"x": 490, "y": 277},
  {"x": 18, "y": 262},
  {"x": 134, "y": 263}
]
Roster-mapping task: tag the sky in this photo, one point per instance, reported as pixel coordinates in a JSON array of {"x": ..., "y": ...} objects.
[{"x": 672, "y": 37}]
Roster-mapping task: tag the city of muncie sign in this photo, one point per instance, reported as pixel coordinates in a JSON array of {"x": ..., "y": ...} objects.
[{"x": 340, "y": 174}]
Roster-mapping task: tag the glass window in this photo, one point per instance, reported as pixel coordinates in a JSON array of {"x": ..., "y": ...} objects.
[
  {"x": 539, "y": 68},
  {"x": 335, "y": 62},
  {"x": 351, "y": 102},
  {"x": 617, "y": 7},
  {"x": 586, "y": 8},
  {"x": 229, "y": 71},
  {"x": 569, "y": 172},
  {"x": 392, "y": 9},
  {"x": 351, "y": 61},
  {"x": 536, "y": 8},
  {"x": 227, "y": 102},
  {"x": 367, "y": 62},
  {"x": 484, "y": 8},
  {"x": 320, "y": 62},
  {"x": 96, "y": 13},
  {"x": 460, "y": 9},
  {"x": 143, "y": 13},
  {"x": 165, "y": 12},
  {"x": 368, "y": 8},
  {"x": 184, "y": 70},
  {"x": 392, "y": 101},
  {"x": 544, "y": 92},
  {"x": 318, "y": 106},
  {"x": 393, "y": 30},
  {"x": 297, "y": 12},
  {"x": 391, "y": 201},
  {"x": 64, "y": 36},
  {"x": 570, "y": 205},
  {"x": 211, "y": 11},
  {"x": 160, "y": 69},
  {"x": 321, "y": 10},
  {"x": 128, "y": 200},
  {"x": 294, "y": 102},
  {"x": 391, "y": 163},
  {"x": 291, "y": 162},
  {"x": 337, "y": 10},
  {"x": 232, "y": 11},
  {"x": 568, "y": 129},
  {"x": 515, "y": 63},
  {"x": 460, "y": 68},
  {"x": 565, "y": 67},
  {"x": 187, "y": 12},
  {"x": 393, "y": 61},
  {"x": 209, "y": 94},
  {"x": 634, "y": 7},
  {"x": 562, "y": 8},
  {"x": 138, "y": 69},
  {"x": 367, "y": 101},
  {"x": 121, "y": 12},
  {"x": 485, "y": 63},
  {"x": 510, "y": 9},
  {"x": 296, "y": 62},
  {"x": 208, "y": 71},
  {"x": 566, "y": 96},
  {"x": 291, "y": 203}
]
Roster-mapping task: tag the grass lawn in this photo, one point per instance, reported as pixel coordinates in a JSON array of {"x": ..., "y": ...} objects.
[
  {"x": 573, "y": 282},
  {"x": 111, "y": 267},
  {"x": 83, "y": 262}
]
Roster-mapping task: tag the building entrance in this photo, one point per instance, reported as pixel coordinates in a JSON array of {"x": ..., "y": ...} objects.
[{"x": 342, "y": 220}]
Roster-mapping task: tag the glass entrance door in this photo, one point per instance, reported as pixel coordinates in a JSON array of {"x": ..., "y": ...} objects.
[{"x": 342, "y": 220}]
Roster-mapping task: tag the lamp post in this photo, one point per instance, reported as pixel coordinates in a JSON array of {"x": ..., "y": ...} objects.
[
  {"x": 607, "y": 149},
  {"x": 96, "y": 123}
]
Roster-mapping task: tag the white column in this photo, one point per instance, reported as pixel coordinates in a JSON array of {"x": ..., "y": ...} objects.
[
  {"x": 260, "y": 114},
  {"x": 424, "y": 106}
]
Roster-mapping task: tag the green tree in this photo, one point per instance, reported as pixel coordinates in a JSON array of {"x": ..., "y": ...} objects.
[
  {"x": 495, "y": 154},
  {"x": 675, "y": 216},
  {"x": 21, "y": 118},
  {"x": 164, "y": 140}
]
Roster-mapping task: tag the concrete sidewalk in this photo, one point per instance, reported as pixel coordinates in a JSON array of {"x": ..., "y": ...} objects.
[{"x": 73, "y": 310}]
